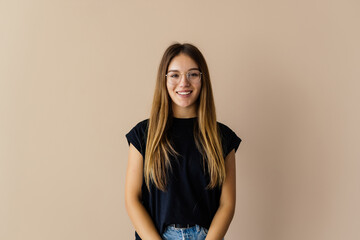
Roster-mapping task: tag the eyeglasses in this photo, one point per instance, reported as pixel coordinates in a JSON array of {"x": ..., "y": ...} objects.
[{"x": 192, "y": 76}]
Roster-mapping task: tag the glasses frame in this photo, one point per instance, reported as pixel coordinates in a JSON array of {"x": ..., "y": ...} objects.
[{"x": 186, "y": 74}]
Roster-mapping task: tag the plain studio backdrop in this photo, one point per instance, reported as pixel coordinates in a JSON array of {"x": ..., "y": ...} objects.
[{"x": 76, "y": 76}]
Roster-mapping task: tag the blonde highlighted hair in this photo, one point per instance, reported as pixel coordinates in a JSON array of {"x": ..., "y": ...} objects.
[{"x": 207, "y": 136}]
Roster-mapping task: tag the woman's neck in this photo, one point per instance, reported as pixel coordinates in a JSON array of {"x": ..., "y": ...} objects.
[{"x": 184, "y": 112}]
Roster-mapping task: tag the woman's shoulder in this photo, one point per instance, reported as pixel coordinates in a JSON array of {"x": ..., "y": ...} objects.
[
  {"x": 229, "y": 138},
  {"x": 139, "y": 128},
  {"x": 137, "y": 136},
  {"x": 224, "y": 129},
  {"x": 142, "y": 124}
]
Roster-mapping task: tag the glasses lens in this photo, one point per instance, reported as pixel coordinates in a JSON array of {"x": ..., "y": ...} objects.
[
  {"x": 193, "y": 75},
  {"x": 173, "y": 77}
]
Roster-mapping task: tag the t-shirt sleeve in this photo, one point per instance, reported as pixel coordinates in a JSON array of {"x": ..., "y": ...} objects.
[
  {"x": 136, "y": 136},
  {"x": 230, "y": 140}
]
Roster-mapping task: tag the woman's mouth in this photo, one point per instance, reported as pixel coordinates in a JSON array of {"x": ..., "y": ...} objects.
[{"x": 184, "y": 93}]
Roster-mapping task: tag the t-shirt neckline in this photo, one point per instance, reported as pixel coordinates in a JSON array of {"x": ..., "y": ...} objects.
[{"x": 184, "y": 120}]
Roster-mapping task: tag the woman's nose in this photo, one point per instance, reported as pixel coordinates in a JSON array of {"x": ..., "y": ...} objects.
[{"x": 184, "y": 80}]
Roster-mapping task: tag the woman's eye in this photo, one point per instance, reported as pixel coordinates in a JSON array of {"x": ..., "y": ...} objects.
[{"x": 174, "y": 75}]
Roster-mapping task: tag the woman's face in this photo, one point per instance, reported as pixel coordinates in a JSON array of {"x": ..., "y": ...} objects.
[{"x": 184, "y": 93}]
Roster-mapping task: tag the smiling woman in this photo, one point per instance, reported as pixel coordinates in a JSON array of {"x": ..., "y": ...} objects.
[{"x": 180, "y": 177}]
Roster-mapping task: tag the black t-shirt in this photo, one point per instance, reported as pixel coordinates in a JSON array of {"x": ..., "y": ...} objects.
[{"x": 186, "y": 199}]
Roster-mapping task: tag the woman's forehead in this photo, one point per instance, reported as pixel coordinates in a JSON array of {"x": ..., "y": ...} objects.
[{"x": 182, "y": 62}]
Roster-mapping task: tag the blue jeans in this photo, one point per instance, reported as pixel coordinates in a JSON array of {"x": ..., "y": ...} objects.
[{"x": 193, "y": 233}]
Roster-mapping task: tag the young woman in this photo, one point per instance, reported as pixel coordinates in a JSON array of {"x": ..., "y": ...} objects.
[{"x": 180, "y": 180}]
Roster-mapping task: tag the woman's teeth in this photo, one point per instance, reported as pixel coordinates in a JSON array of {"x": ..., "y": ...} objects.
[{"x": 184, "y": 93}]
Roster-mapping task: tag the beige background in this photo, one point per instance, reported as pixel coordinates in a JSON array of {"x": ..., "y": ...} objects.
[{"x": 76, "y": 76}]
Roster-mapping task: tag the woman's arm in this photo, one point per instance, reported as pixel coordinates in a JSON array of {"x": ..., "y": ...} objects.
[
  {"x": 139, "y": 216},
  {"x": 225, "y": 212}
]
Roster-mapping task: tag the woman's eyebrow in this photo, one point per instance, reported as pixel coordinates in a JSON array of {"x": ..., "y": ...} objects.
[{"x": 174, "y": 70}]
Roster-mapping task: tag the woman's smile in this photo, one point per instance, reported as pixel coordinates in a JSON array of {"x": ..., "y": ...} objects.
[{"x": 184, "y": 93}]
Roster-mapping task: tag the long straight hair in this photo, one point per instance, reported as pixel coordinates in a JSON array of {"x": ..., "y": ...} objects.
[{"x": 207, "y": 136}]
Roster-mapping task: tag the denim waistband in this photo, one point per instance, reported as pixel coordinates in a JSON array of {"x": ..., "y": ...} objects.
[{"x": 180, "y": 225}]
